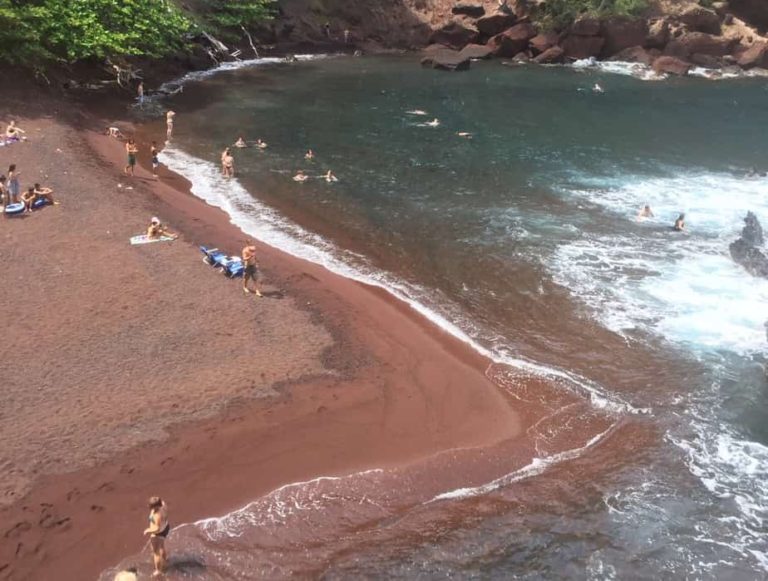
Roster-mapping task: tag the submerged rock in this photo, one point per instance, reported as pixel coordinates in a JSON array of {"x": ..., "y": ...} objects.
[
  {"x": 746, "y": 251},
  {"x": 671, "y": 65},
  {"x": 446, "y": 60}
]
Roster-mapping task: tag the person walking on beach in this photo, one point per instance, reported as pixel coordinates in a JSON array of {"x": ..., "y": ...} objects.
[
  {"x": 169, "y": 124},
  {"x": 158, "y": 530},
  {"x": 14, "y": 188},
  {"x": 131, "y": 150},
  {"x": 155, "y": 161},
  {"x": 251, "y": 270},
  {"x": 228, "y": 164}
]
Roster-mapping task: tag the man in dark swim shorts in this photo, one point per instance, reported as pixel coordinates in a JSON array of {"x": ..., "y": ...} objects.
[{"x": 251, "y": 272}]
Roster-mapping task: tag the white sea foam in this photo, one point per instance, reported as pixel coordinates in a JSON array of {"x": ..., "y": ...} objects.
[
  {"x": 684, "y": 287},
  {"x": 263, "y": 223}
]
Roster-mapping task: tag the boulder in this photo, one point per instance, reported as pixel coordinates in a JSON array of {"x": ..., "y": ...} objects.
[
  {"x": 755, "y": 56},
  {"x": 582, "y": 47},
  {"x": 585, "y": 26},
  {"x": 706, "y": 61},
  {"x": 454, "y": 35},
  {"x": 671, "y": 65},
  {"x": 476, "y": 51},
  {"x": 471, "y": 10},
  {"x": 721, "y": 8},
  {"x": 658, "y": 34},
  {"x": 635, "y": 54},
  {"x": 700, "y": 19},
  {"x": 622, "y": 32},
  {"x": 446, "y": 60},
  {"x": 701, "y": 43},
  {"x": 755, "y": 12},
  {"x": 544, "y": 41},
  {"x": 746, "y": 250},
  {"x": 553, "y": 54},
  {"x": 512, "y": 41},
  {"x": 495, "y": 24}
]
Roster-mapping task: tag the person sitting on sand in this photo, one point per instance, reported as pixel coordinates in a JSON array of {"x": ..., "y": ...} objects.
[
  {"x": 13, "y": 133},
  {"x": 300, "y": 176},
  {"x": 158, "y": 530},
  {"x": 28, "y": 198},
  {"x": 310, "y": 155},
  {"x": 261, "y": 144},
  {"x": 156, "y": 229},
  {"x": 241, "y": 143},
  {"x": 44, "y": 193},
  {"x": 114, "y": 132},
  {"x": 645, "y": 212},
  {"x": 679, "y": 223},
  {"x": 251, "y": 270},
  {"x": 329, "y": 177}
]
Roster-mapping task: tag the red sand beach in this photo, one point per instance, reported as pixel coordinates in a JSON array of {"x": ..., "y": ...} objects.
[{"x": 138, "y": 370}]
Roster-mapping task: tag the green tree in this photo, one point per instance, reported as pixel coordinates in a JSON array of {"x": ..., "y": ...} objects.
[
  {"x": 559, "y": 14},
  {"x": 225, "y": 15}
]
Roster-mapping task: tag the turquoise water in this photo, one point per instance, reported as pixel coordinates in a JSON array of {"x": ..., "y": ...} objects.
[{"x": 522, "y": 240}]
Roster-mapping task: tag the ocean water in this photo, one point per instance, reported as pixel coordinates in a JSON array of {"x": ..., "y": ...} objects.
[{"x": 645, "y": 346}]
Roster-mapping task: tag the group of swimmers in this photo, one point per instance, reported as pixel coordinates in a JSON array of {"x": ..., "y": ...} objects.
[
  {"x": 646, "y": 212},
  {"x": 228, "y": 161},
  {"x": 10, "y": 191}
]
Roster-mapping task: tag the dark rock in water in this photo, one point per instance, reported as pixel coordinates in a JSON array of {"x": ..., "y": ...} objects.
[
  {"x": 582, "y": 47},
  {"x": 476, "y": 51},
  {"x": 495, "y": 24},
  {"x": 746, "y": 251},
  {"x": 473, "y": 10},
  {"x": 552, "y": 55},
  {"x": 706, "y": 61},
  {"x": 454, "y": 35},
  {"x": 671, "y": 65},
  {"x": 446, "y": 60}
]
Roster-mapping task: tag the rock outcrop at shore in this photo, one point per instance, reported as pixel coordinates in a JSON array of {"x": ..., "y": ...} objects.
[
  {"x": 728, "y": 36},
  {"x": 747, "y": 250}
]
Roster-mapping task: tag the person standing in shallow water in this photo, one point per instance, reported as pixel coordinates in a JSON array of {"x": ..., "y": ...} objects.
[
  {"x": 679, "y": 223},
  {"x": 169, "y": 124},
  {"x": 158, "y": 530}
]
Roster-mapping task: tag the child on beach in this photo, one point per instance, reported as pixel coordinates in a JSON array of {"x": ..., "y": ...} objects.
[
  {"x": 28, "y": 198},
  {"x": 155, "y": 161}
]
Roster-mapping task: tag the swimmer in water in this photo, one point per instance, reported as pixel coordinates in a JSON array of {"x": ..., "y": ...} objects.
[
  {"x": 310, "y": 155},
  {"x": 300, "y": 177},
  {"x": 464, "y": 134},
  {"x": 240, "y": 142},
  {"x": 261, "y": 144},
  {"x": 679, "y": 224},
  {"x": 330, "y": 178},
  {"x": 434, "y": 123},
  {"x": 645, "y": 212},
  {"x": 597, "y": 88},
  {"x": 416, "y": 112}
]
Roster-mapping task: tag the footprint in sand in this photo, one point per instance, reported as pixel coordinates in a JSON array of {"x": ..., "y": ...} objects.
[{"x": 16, "y": 530}]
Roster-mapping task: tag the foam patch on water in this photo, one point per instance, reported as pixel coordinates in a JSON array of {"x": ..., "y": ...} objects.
[
  {"x": 684, "y": 287},
  {"x": 645, "y": 73},
  {"x": 263, "y": 223}
]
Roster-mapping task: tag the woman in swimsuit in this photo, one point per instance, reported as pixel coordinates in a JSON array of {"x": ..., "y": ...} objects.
[
  {"x": 131, "y": 150},
  {"x": 169, "y": 124},
  {"x": 228, "y": 164},
  {"x": 14, "y": 189},
  {"x": 158, "y": 530},
  {"x": 155, "y": 161}
]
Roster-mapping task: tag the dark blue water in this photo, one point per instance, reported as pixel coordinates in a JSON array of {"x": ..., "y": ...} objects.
[{"x": 523, "y": 239}]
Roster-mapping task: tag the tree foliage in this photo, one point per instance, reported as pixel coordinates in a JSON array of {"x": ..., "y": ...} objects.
[
  {"x": 35, "y": 31},
  {"x": 226, "y": 17},
  {"x": 559, "y": 14}
]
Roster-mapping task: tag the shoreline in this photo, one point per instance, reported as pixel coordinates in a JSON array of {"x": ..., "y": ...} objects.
[{"x": 403, "y": 390}]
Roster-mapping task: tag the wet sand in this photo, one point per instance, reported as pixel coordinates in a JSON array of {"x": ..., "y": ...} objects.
[{"x": 140, "y": 371}]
